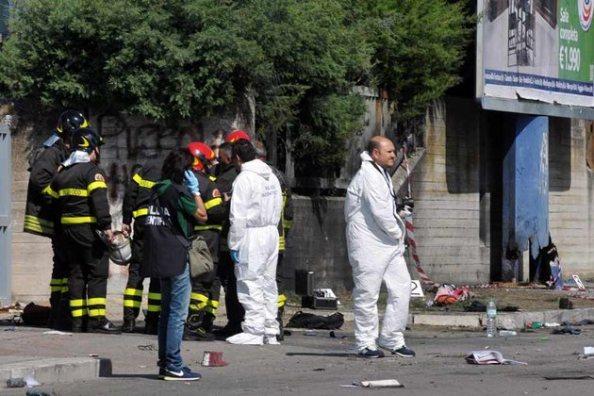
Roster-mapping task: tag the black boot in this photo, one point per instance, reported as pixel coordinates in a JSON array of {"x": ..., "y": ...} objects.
[
  {"x": 208, "y": 322},
  {"x": 151, "y": 326},
  {"x": 281, "y": 327},
  {"x": 129, "y": 325},
  {"x": 78, "y": 325},
  {"x": 197, "y": 334},
  {"x": 102, "y": 325}
]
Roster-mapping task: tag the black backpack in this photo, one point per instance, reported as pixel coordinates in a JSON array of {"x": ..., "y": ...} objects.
[
  {"x": 165, "y": 249},
  {"x": 304, "y": 320}
]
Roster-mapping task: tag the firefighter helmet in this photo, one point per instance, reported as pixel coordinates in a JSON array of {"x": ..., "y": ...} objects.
[
  {"x": 237, "y": 135},
  {"x": 202, "y": 154},
  {"x": 71, "y": 120},
  {"x": 86, "y": 139},
  {"x": 120, "y": 251}
]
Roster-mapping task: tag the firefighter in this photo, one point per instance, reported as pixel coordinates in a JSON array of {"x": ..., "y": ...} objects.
[
  {"x": 80, "y": 191},
  {"x": 226, "y": 174},
  {"x": 284, "y": 226},
  {"x": 135, "y": 206},
  {"x": 206, "y": 288},
  {"x": 39, "y": 214}
]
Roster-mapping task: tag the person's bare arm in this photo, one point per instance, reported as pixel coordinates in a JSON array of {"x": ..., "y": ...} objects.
[{"x": 200, "y": 214}]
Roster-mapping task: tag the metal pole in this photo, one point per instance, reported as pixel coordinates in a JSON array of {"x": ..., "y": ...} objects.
[{"x": 5, "y": 211}]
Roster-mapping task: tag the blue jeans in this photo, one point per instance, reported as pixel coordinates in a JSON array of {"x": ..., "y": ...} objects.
[{"x": 175, "y": 300}]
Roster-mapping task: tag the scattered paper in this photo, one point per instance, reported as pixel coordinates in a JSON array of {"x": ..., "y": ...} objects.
[
  {"x": 490, "y": 357},
  {"x": 387, "y": 383},
  {"x": 57, "y": 332}
]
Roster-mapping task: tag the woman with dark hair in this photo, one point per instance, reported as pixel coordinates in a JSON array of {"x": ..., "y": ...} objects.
[{"x": 175, "y": 207}]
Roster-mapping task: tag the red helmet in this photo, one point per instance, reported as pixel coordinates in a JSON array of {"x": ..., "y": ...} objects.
[
  {"x": 237, "y": 135},
  {"x": 202, "y": 154}
]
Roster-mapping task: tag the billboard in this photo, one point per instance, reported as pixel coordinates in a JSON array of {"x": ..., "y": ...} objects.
[{"x": 536, "y": 51}]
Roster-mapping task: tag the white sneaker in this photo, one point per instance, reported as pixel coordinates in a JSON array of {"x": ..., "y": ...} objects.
[
  {"x": 271, "y": 340},
  {"x": 246, "y": 339}
]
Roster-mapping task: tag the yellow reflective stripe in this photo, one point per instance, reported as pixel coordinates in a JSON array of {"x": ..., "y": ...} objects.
[
  {"x": 212, "y": 178},
  {"x": 79, "y": 312},
  {"x": 154, "y": 308},
  {"x": 77, "y": 303},
  {"x": 143, "y": 182},
  {"x": 49, "y": 191},
  {"x": 154, "y": 296},
  {"x": 96, "y": 312},
  {"x": 132, "y": 304},
  {"x": 65, "y": 289},
  {"x": 140, "y": 212},
  {"x": 96, "y": 301},
  {"x": 78, "y": 220},
  {"x": 39, "y": 223},
  {"x": 213, "y": 202},
  {"x": 54, "y": 289},
  {"x": 76, "y": 192},
  {"x": 282, "y": 299},
  {"x": 287, "y": 224},
  {"x": 213, "y": 303},
  {"x": 132, "y": 292},
  {"x": 208, "y": 227},
  {"x": 56, "y": 281},
  {"x": 95, "y": 185},
  {"x": 281, "y": 243},
  {"x": 199, "y": 297}
]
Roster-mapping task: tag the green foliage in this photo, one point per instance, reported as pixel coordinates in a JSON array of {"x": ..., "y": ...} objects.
[
  {"x": 418, "y": 48},
  {"x": 184, "y": 59}
]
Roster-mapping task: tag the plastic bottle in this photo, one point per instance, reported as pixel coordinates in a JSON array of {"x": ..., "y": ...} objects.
[{"x": 491, "y": 315}]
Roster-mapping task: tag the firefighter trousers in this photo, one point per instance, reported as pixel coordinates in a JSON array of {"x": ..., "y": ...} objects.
[
  {"x": 87, "y": 283},
  {"x": 59, "y": 301},
  {"x": 134, "y": 287},
  {"x": 206, "y": 290},
  {"x": 226, "y": 273}
]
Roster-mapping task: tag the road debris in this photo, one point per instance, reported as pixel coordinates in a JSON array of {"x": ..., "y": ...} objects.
[
  {"x": 387, "y": 383},
  {"x": 57, "y": 332},
  {"x": 490, "y": 357},
  {"x": 507, "y": 333},
  {"x": 213, "y": 359},
  {"x": 148, "y": 347},
  {"x": 567, "y": 329}
]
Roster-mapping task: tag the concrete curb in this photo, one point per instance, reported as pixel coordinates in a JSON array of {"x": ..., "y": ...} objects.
[
  {"x": 509, "y": 321},
  {"x": 475, "y": 320},
  {"x": 52, "y": 370}
]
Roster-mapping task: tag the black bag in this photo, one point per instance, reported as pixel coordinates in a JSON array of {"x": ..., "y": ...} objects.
[
  {"x": 302, "y": 320},
  {"x": 165, "y": 249}
]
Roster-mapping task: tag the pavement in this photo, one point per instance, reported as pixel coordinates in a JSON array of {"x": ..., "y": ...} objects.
[{"x": 312, "y": 364}]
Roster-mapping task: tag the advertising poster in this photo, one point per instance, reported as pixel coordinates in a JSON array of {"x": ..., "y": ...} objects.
[{"x": 540, "y": 50}]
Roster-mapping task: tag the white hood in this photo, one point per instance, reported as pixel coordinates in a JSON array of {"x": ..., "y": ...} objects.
[{"x": 258, "y": 167}]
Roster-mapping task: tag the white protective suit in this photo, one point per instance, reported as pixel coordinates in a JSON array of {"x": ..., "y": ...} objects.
[
  {"x": 256, "y": 206},
  {"x": 375, "y": 241}
]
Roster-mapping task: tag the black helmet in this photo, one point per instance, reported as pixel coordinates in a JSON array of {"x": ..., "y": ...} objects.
[
  {"x": 85, "y": 139},
  {"x": 70, "y": 121}
]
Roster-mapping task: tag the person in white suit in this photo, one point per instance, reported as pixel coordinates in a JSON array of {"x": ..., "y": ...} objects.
[
  {"x": 375, "y": 241},
  {"x": 256, "y": 206}
]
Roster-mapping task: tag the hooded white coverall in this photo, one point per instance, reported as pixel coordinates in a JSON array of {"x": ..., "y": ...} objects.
[
  {"x": 256, "y": 207},
  {"x": 375, "y": 241}
]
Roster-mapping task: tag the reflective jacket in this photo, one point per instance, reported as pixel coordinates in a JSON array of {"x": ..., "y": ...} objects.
[
  {"x": 226, "y": 175},
  {"x": 138, "y": 192},
  {"x": 39, "y": 214},
  {"x": 80, "y": 191},
  {"x": 217, "y": 211}
]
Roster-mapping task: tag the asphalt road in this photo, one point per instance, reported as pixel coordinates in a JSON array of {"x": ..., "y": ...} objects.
[{"x": 321, "y": 365}]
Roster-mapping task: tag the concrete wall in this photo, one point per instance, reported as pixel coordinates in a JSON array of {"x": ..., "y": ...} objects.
[
  {"x": 571, "y": 197},
  {"x": 446, "y": 191}
]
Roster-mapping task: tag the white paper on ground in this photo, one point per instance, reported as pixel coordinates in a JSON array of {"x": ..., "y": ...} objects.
[{"x": 387, "y": 383}]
